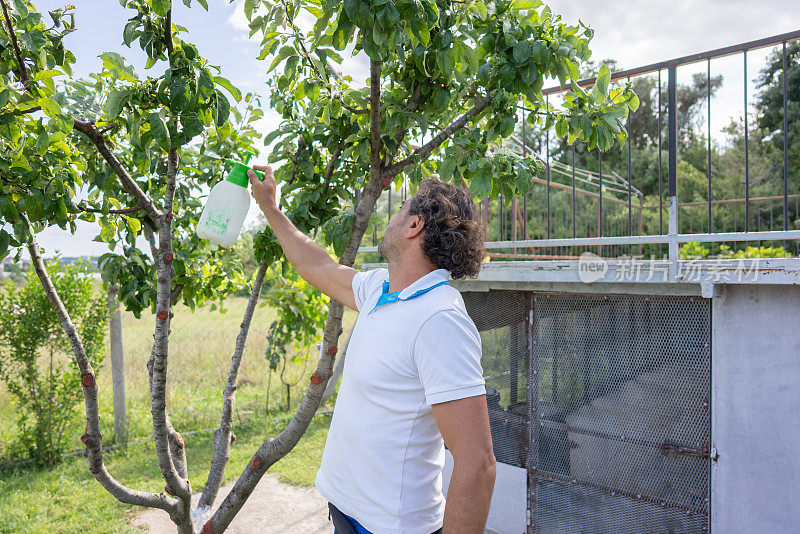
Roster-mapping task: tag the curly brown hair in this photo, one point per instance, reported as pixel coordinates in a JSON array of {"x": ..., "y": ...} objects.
[{"x": 454, "y": 234}]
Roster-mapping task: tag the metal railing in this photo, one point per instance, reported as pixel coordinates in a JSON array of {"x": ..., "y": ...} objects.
[{"x": 598, "y": 209}]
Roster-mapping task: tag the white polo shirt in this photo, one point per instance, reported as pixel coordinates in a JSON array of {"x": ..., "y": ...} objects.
[{"x": 384, "y": 455}]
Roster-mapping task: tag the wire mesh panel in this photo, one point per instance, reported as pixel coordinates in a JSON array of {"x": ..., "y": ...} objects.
[
  {"x": 620, "y": 414},
  {"x": 501, "y": 320}
]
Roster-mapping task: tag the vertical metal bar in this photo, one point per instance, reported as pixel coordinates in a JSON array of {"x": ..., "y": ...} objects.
[
  {"x": 514, "y": 221},
  {"x": 532, "y": 393},
  {"x": 672, "y": 134},
  {"x": 660, "y": 193},
  {"x": 630, "y": 208},
  {"x": 785, "y": 147},
  {"x": 547, "y": 154},
  {"x": 500, "y": 217},
  {"x": 600, "y": 188},
  {"x": 746, "y": 155},
  {"x": 708, "y": 105},
  {"x": 513, "y": 360},
  {"x": 525, "y": 196},
  {"x": 573, "y": 190}
]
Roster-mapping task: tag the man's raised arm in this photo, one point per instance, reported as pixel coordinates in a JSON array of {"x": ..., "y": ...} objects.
[{"x": 312, "y": 262}]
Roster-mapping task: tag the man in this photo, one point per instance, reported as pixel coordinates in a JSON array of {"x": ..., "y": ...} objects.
[{"x": 412, "y": 377}]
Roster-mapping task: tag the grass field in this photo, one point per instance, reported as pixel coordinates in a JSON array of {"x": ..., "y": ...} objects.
[{"x": 68, "y": 499}]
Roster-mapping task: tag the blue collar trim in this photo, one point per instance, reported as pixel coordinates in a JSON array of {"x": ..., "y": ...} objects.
[{"x": 388, "y": 298}]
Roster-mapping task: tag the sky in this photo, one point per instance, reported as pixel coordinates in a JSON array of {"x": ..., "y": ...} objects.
[{"x": 634, "y": 33}]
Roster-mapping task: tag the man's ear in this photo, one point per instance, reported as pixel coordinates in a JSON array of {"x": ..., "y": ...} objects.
[{"x": 416, "y": 226}]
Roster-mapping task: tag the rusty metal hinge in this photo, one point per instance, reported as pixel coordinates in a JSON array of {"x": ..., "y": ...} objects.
[{"x": 702, "y": 452}]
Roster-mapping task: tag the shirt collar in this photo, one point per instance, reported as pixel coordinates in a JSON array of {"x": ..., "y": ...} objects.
[{"x": 430, "y": 279}]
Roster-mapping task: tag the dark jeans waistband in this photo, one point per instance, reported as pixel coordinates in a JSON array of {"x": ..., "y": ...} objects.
[{"x": 342, "y": 523}]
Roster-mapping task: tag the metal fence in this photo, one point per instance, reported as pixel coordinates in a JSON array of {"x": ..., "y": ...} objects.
[
  {"x": 594, "y": 206},
  {"x": 605, "y": 401}
]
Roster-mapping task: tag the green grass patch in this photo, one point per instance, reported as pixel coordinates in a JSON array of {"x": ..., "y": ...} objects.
[{"x": 68, "y": 499}]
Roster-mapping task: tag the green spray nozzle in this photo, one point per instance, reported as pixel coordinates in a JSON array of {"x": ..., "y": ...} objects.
[{"x": 238, "y": 173}]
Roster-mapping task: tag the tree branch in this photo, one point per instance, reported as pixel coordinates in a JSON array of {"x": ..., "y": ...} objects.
[
  {"x": 353, "y": 110},
  {"x": 92, "y": 438},
  {"x": 23, "y": 72},
  {"x": 223, "y": 435},
  {"x": 172, "y": 178},
  {"x": 158, "y": 358},
  {"x": 393, "y": 170},
  {"x": 26, "y": 111},
  {"x": 301, "y": 144},
  {"x": 130, "y": 185},
  {"x": 113, "y": 212},
  {"x": 168, "y": 35},
  {"x": 273, "y": 450},
  {"x": 413, "y": 105},
  {"x": 331, "y": 166},
  {"x": 374, "y": 120}
]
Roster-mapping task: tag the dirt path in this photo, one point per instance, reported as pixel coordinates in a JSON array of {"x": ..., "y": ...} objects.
[{"x": 273, "y": 508}]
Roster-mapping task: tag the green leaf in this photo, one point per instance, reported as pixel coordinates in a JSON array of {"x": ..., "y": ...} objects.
[
  {"x": 42, "y": 143},
  {"x": 523, "y": 173},
  {"x": 61, "y": 211},
  {"x": 4, "y": 94},
  {"x": 5, "y": 240},
  {"x": 562, "y": 127},
  {"x": 446, "y": 168},
  {"x": 118, "y": 67},
  {"x": 159, "y": 131},
  {"x": 134, "y": 225},
  {"x": 469, "y": 55},
  {"x": 633, "y": 103},
  {"x": 160, "y": 6},
  {"x": 441, "y": 99},
  {"x": 51, "y": 108},
  {"x": 192, "y": 125},
  {"x": 8, "y": 127},
  {"x": 283, "y": 53},
  {"x": 47, "y": 74},
  {"x": 519, "y": 5},
  {"x": 481, "y": 184},
  {"x": 522, "y": 52},
  {"x": 222, "y": 109},
  {"x": 130, "y": 32},
  {"x": 224, "y": 82},
  {"x": 21, "y": 7},
  {"x": 178, "y": 94},
  {"x": 116, "y": 100},
  {"x": 603, "y": 79},
  {"x": 22, "y": 231}
]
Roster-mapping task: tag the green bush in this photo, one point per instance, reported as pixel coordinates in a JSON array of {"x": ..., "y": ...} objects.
[
  {"x": 36, "y": 362},
  {"x": 754, "y": 252},
  {"x": 696, "y": 251}
]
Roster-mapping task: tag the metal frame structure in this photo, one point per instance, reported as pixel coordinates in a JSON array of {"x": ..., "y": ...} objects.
[{"x": 673, "y": 238}]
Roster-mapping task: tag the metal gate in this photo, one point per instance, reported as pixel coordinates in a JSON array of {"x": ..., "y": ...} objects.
[{"x": 613, "y": 423}]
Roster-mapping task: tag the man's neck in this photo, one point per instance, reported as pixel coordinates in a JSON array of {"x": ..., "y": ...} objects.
[{"x": 403, "y": 275}]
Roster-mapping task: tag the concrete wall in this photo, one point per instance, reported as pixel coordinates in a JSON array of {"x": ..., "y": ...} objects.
[
  {"x": 756, "y": 410},
  {"x": 508, "y": 510}
]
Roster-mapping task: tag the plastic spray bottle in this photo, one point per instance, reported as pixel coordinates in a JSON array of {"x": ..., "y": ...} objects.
[{"x": 227, "y": 205}]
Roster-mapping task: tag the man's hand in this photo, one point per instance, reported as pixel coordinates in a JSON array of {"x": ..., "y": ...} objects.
[{"x": 263, "y": 190}]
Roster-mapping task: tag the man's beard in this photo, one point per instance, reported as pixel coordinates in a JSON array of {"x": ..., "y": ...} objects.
[
  {"x": 385, "y": 248},
  {"x": 382, "y": 248}
]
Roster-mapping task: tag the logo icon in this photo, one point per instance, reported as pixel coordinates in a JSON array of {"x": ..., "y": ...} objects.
[{"x": 591, "y": 267}]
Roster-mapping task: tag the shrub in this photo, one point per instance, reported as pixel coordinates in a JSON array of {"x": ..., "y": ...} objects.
[{"x": 35, "y": 355}]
